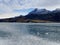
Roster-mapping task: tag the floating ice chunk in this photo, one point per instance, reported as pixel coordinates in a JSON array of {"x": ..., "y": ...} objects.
[
  {"x": 38, "y": 33},
  {"x": 47, "y": 33}
]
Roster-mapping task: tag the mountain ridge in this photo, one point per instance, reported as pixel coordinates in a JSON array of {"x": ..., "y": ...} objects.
[{"x": 37, "y": 15}]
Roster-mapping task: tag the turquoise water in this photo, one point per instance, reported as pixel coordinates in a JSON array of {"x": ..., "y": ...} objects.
[{"x": 29, "y": 33}]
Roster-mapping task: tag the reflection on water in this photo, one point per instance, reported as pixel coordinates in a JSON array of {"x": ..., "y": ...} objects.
[
  {"x": 4, "y": 34},
  {"x": 48, "y": 32},
  {"x": 29, "y": 34}
]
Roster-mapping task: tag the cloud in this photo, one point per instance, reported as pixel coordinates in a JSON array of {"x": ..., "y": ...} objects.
[
  {"x": 19, "y": 4},
  {"x": 8, "y": 6},
  {"x": 8, "y": 15}
]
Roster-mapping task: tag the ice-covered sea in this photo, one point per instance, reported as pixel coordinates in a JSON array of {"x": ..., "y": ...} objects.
[{"x": 29, "y": 33}]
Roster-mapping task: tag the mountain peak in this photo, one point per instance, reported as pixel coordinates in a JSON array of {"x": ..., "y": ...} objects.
[
  {"x": 35, "y": 10},
  {"x": 39, "y": 11},
  {"x": 56, "y": 10}
]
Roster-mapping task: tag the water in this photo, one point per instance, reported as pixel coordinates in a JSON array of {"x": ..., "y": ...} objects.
[{"x": 29, "y": 33}]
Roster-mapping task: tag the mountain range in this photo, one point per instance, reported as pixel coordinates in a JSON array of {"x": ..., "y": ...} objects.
[{"x": 37, "y": 15}]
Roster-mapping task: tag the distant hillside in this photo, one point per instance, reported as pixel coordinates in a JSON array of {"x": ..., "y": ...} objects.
[
  {"x": 37, "y": 15},
  {"x": 44, "y": 14}
]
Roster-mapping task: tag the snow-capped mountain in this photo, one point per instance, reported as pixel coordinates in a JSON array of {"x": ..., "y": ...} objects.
[
  {"x": 56, "y": 10},
  {"x": 37, "y": 15},
  {"x": 40, "y": 11}
]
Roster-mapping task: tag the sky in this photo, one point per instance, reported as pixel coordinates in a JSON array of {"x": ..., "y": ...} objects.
[{"x": 11, "y": 8}]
